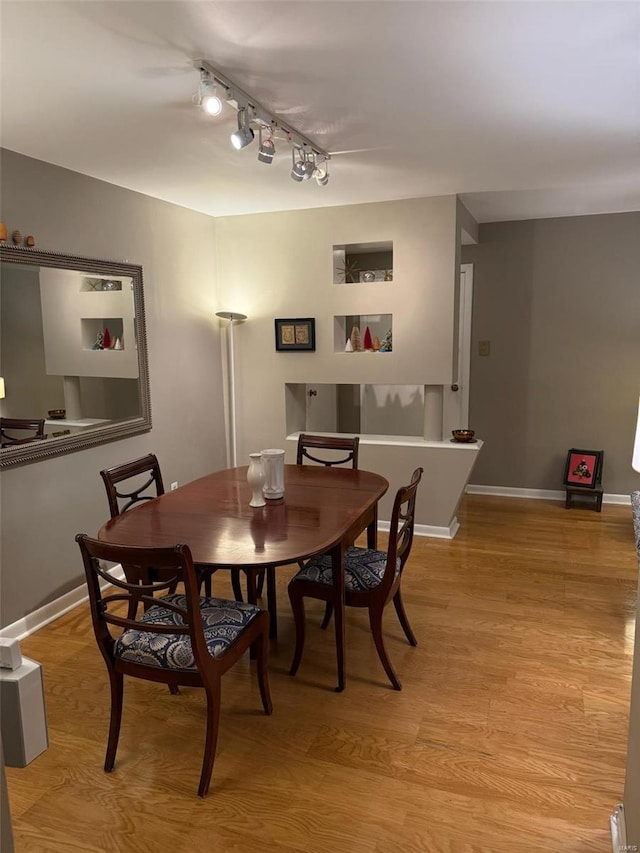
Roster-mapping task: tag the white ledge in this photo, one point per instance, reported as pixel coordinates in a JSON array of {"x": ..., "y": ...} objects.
[{"x": 401, "y": 440}]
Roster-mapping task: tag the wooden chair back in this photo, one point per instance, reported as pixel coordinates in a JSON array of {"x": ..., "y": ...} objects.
[
  {"x": 136, "y": 468},
  {"x": 33, "y": 427},
  {"x": 309, "y": 445},
  {"x": 401, "y": 532}
]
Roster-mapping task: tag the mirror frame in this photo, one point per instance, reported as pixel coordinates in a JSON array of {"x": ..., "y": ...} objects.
[{"x": 50, "y": 447}]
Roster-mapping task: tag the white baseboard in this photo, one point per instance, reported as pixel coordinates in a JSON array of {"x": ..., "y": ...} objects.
[
  {"x": 618, "y": 830},
  {"x": 32, "y": 622},
  {"x": 538, "y": 494},
  {"x": 429, "y": 529}
]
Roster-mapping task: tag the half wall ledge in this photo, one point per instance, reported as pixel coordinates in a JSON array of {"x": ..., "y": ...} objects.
[{"x": 447, "y": 469}]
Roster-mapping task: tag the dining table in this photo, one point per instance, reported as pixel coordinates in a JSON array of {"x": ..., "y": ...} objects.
[{"x": 324, "y": 510}]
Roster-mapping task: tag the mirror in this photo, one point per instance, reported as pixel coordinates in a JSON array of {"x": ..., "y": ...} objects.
[{"x": 73, "y": 351}]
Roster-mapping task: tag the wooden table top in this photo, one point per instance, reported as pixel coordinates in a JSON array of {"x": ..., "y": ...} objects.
[{"x": 321, "y": 507}]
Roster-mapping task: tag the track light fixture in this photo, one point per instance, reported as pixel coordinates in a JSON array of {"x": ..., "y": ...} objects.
[
  {"x": 309, "y": 160},
  {"x": 241, "y": 137},
  {"x": 207, "y": 95},
  {"x": 267, "y": 148}
]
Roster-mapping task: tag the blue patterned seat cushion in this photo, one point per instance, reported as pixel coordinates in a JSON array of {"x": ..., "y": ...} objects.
[
  {"x": 363, "y": 569},
  {"x": 222, "y": 622}
]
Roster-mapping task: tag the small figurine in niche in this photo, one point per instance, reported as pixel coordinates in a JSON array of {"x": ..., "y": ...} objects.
[
  {"x": 106, "y": 339},
  {"x": 355, "y": 339},
  {"x": 348, "y": 346},
  {"x": 387, "y": 343},
  {"x": 376, "y": 344},
  {"x": 99, "y": 344},
  {"x": 368, "y": 343}
]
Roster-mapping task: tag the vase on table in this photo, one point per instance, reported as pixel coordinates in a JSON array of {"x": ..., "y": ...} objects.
[
  {"x": 273, "y": 460},
  {"x": 255, "y": 479}
]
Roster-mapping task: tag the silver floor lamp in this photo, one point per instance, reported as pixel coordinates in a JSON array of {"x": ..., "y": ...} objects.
[{"x": 233, "y": 317}]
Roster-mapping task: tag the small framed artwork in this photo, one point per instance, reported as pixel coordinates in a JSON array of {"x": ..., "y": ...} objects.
[
  {"x": 583, "y": 468},
  {"x": 297, "y": 334}
]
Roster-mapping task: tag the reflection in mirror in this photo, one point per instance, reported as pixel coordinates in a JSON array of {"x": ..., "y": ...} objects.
[{"x": 72, "y": 351}]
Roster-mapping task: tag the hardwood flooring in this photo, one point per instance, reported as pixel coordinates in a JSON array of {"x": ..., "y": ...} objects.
[{"x": 509, "y": 735}]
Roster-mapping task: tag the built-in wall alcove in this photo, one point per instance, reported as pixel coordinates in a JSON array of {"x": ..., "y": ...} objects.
[
  {"x": 363, "y": 263},
  {"x": 379, "y": 339},
  {"x": 394, "y": 410}
]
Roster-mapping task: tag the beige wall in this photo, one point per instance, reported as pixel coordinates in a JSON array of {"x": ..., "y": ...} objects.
[
  {"x": 280, "y": 265},
  {"x": 43, "y": 505},
  {"x": 559, "y": 301}
]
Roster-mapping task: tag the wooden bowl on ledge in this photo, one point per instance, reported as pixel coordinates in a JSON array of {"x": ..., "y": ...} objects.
[{"x": 464, "y": 436}]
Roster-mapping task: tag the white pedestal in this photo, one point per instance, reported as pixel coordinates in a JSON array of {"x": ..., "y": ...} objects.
[{"x": 23, "y": 721}]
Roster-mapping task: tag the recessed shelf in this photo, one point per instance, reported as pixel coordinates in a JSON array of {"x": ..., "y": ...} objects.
[
  {"x": 363, "y": 263},
  {"x": 379, "y": 325},
  {"x": 92, "y": 326},
  {"x": 93, "y": 284}
]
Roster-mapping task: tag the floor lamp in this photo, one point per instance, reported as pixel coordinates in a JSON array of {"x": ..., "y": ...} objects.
[{"x": 232, "y": 317}]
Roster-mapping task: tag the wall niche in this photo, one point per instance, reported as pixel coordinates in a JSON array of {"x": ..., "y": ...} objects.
[{"x": 363, "y": 263}]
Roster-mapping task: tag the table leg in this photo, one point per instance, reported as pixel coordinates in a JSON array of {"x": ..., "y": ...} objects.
[
  {"x": 272, "y": 603},
  {"x": 252, "y": 598},
  {"x": 337, "y": 567}
]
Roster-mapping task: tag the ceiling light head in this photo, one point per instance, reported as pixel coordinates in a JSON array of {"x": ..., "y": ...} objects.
[
  {"x": 322, "y": 174},
  {"x": 241, "y": 137},
  {"x": 304, "y": 166},
  {"x": 207, "y": 96},
  {"x": 267, "y": 149}
]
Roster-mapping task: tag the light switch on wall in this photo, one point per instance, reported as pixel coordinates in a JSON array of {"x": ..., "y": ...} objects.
[{"x": 484, "y": 347}]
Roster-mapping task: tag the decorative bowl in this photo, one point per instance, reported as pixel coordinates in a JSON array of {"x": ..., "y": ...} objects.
[
  {"x": 57, "y": 414},
  {"x": 463, "y": 435}
]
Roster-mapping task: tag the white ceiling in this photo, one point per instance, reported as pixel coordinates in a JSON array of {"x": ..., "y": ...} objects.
[{"x": 525, "y": 109}]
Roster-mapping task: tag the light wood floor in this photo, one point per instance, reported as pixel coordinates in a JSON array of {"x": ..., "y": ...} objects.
[{"x": 509, "y": 735}]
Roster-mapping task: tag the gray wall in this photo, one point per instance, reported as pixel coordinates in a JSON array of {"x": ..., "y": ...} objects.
[
  {"x": 43, "y": 505},
  {"x": 559, "y": 301}
]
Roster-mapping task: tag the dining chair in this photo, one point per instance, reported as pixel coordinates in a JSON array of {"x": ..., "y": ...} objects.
[
  {"x": 28, "y": 429},
  {"x": 148, "y": 484},
  {"x": 180, "y": 640},
  {"x": 308, "y": 445},
  {"x": 372, "y": 579}
]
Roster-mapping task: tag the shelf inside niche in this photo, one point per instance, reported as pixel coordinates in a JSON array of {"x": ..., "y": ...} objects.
[
  {"x": 363, "y": 263},
  {"x": 98, "y": 284},
  {"x": 379, "y": 326},
  {"x": 91, "y": 326}
]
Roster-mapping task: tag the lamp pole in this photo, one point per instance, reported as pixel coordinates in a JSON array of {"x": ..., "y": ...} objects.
[{"x": 232, "y": 317}]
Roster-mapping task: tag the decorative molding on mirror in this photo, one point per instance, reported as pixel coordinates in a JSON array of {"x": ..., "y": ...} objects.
[{"x": 111, "y": 430}]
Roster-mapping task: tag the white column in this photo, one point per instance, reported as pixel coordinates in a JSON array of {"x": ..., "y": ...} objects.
[
  {"x": 433, "y": 401},
  {"x": 71, "y": 387}
]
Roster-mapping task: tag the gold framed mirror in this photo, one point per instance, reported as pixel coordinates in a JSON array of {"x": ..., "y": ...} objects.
[{"x": 73, "y": 352}]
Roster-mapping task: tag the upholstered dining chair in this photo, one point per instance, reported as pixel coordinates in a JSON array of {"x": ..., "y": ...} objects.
[
  {"x": 20, "y": 430},
  {"x": 179, "y": 640},
  {"x": 147, "y": 484},
  {"x": 372, "y": 579},
  {"x": 321, "y": 450}
]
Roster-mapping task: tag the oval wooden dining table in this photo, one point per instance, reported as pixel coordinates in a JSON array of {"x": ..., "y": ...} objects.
[{"x": 323, "y": 511}]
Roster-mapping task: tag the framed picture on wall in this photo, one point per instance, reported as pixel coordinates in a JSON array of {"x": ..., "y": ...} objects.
[
  {"x": 296, "y": 334},
  {"x": 583, "y": 468}
]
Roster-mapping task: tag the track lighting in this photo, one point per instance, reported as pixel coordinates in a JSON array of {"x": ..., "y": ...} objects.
[
  {"x": 321, "y": 175},
  {"x": 207, "y": 96},
  {"x": 309, "y": 160},
  {"x": 304, "y": 166},
  {"x": 244, "y": 134},
  {"x": 267, "y": 148}
]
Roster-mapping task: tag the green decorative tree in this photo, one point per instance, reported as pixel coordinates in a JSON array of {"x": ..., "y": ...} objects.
[{"x": 387, "y": 343}]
